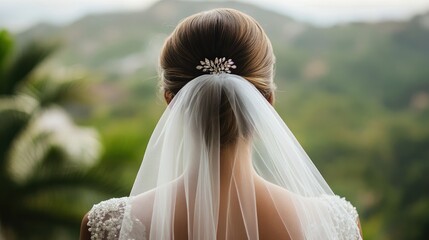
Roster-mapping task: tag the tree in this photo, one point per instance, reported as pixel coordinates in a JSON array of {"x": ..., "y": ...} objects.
[
  {"x": 398, "y": 178},
  {"x": 47, "y": 163}
]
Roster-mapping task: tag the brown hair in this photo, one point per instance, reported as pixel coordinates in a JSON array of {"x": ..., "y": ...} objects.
[{"x": 218, "y": 33}]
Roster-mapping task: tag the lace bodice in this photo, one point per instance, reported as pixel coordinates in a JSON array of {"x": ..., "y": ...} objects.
[
  {"x": 345, "y": 225},
  {"x": 105, "y": 219}
]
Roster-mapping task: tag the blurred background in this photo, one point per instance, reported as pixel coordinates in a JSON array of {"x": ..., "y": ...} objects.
[{"x": 79, "y": 99}]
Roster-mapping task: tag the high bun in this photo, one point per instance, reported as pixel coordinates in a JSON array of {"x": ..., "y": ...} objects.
[{"x": 218, "y": 33}]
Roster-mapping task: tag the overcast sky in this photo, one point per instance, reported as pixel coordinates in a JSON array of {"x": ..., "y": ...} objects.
[{"x": 20, "y": 14}]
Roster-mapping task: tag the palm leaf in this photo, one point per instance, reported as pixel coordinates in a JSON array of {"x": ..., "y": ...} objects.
[
  {"x": 57, "y": 197},
  {"x": 5, "y": 49},
  {"x": 46, "y": 161},
  {"x": 95, "y": 179},
  {"x": 51, "y": 91},
  {"x": 34, "y": 223},
  {"x": 24, "y": 64},
  {"x": 15, "y": 113}
]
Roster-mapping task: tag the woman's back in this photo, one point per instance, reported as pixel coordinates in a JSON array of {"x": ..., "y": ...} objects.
[
  {"x": 276, "y": 215},
  {"x": 221, "y": 163}
]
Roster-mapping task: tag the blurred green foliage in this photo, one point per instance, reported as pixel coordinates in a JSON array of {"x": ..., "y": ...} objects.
[
  {"x": 356, "y": 96},
  {"x": 45, "y": 159}
]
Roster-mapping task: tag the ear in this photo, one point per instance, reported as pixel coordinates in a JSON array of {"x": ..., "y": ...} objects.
[{"x": 168, "y": 96}]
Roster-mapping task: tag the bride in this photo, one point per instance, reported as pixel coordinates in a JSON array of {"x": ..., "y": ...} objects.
[{"x": 221, "y": 163}]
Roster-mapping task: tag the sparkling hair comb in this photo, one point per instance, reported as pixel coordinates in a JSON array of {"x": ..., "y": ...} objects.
[{"x": 219, "y": 65}]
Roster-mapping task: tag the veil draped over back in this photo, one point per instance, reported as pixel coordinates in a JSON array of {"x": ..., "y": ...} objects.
[{"x": 192, "y": 184}]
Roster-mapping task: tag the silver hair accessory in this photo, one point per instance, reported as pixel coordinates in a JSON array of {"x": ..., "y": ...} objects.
[{"x": 219, "y": 65}]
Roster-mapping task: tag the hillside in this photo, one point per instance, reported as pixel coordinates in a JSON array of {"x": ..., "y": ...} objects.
[
  {"x": 122, "y": 43},
  {"x": 99, "y": 40},
  {"x": 355, "y": 95}
]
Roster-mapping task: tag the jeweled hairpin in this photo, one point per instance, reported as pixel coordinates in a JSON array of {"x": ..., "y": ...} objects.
[{"x": 219, "y": 65}]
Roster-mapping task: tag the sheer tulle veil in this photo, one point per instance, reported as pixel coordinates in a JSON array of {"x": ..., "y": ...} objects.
[{"x": 191, "y": 180}]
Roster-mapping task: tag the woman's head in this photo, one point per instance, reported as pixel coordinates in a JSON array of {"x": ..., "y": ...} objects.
[
  {"x": 215, "y": 34},
  {"x": 218, "y": 33}
]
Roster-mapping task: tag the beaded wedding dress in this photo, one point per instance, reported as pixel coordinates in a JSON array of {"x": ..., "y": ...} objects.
[
  {"x": 185, "y": 187},
  {"x": 105, "y": 219}
]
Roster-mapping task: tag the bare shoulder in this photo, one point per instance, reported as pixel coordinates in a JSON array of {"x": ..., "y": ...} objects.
[
  {"x": 275, "y": 211},
  {"x": 276, "y": 193},
  {"x": 289, "y": 208}
]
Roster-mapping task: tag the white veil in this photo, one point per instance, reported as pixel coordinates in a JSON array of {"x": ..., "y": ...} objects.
[{"x": 192, "y": 185}]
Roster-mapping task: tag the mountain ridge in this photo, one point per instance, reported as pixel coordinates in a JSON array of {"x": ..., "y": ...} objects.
[{"x": 122, "y": 44}]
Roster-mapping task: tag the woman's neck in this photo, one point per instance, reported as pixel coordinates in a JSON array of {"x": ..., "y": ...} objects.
[{"x": 236, "y": 163}]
